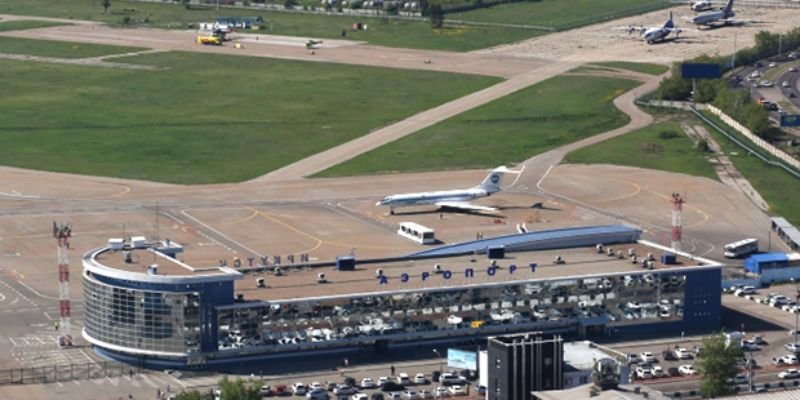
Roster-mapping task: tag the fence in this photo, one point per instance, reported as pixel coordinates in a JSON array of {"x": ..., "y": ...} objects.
[
  {"x": 766, "y": 146},
  {"x": 66, "y": 372}
]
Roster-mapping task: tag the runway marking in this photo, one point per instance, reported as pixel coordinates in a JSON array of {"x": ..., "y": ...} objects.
[
  {"x": 292, "y": 228},
  {"x": 236, "y": 221},
  {"x": 638, "y": 189},
  {"x": 209, "y": 227},
  {"x": 20, "y": 294},
  {"x": 126, "y": 189}
]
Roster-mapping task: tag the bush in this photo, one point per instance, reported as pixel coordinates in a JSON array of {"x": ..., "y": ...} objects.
[
  {"x": 668, "y": 135},
  {"x": 126, "y": 20}
]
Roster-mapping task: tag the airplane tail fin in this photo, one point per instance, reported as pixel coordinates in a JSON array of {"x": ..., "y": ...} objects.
[
  {"x": 728, "y": 7},
  {"x": 670, "y": 23},
  {"x": 492, "y": 182}
]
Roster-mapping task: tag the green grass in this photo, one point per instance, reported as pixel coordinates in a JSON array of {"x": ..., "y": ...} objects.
[
  {"x": 662, "y": 146},
  {"x": 506, "y": 131},
  {"x": 645, "y": 68},
  {"x": 776, "y": 186},
  {"x": 560, "y": 14},
  {"x": 393, "y": 33},
  {"x": 203, "y": 118},
  {"x": 52, "y": 48},
  {"x": 21, "y": 24}
]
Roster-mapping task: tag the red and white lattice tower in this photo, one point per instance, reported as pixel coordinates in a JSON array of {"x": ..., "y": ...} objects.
[
  {"x": 62, "y": 233},
  {"x": 677, "y": 227}
]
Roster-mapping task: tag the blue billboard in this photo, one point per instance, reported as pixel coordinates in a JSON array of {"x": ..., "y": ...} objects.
[
  {"x": 790, "y": 120},
  {"x": 700, "y": 71},
  {"x": 461, "y": 359}
]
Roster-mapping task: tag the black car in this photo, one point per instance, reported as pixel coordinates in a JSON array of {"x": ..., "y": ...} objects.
[
  {"x": 392, "y": 387},
  {"x": 435, "y": 376},
  {"x": 350, "y": 381},
  {"x": 669, "y": 355},
  {"x": 376, "y": 396},
  {"x": 673, "y": 371}
]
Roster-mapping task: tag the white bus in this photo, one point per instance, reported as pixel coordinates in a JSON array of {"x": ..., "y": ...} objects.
[
  {"x": 741, "y": 248},
  {"x": 417, "y": 233}
]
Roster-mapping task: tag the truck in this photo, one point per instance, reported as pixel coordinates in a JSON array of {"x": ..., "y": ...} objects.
[{"x": 734, "y": 338}]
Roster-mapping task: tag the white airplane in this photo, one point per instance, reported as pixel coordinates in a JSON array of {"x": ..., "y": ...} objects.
[
  {"x": 656, "y": 34},
  {"x": 452, "y": 199},
  {"x": 723, "y": 15},
  {"x": 700, "y": 5}
]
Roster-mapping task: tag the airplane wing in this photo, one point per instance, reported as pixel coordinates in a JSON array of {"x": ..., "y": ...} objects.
[{"x": 460, "y": 205}]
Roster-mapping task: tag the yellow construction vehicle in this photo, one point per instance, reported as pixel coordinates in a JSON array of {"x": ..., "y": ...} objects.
[{"x": 209, "y": 38}]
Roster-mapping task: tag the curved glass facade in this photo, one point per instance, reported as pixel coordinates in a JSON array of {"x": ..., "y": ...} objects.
[{"x": 141, "y": 320}]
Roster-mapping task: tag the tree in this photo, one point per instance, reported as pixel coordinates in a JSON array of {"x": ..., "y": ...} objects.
[
  {"x": 239, "y": 389},
  {"x": 437, "y": 16},
  {"x": 718, "y": 364},
  {"x": 106, "y": 5},
  {"x": 193, "y": 395}
]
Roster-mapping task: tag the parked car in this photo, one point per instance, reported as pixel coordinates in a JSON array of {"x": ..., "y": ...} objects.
[
  {"x": 392, "y": 387},
  {"x": 359, "y": 396},
  {"x": 457, "y": 390},
  {"x": 683, "y": 354},
  {"x": 315, "y": 386},
  {"x": 687, "y": 369},
  {"x": 281, "y": 390},
  {"x": 299, "y": 388},
  {"x": 410, "y": 395},
  {"x": 793, "y": 347},
  {"x": 419, "y": 379},
  {"x": 266, "y": 391},
  {"x": 344, "y": 390},
  {"x": 643, "y": 373},
  {"x": 657, "y": 371},
  {"x": 440, "y": 392},
  {"x": 317, "y": 394},
  {"x": 394, "y": 396},
  {"x": 376, "y": 396},
  {"x": 673, "y": 371},
  {"x": 739, "y": 379},
  {"x": 790, "y": 373},
  {"x": 480, "y": 389},
  {"x": 669, "y": 355},
  {"x": 633, "y": 359},
  {"x": 367, "y": 383},
  {"x": 759, "y": 340},
  {"x": 425, "y": 394},
  {"x": 382, "y": 380},
  {"x": 647, "y": 357},
  {"x": 402, "y": 378}
]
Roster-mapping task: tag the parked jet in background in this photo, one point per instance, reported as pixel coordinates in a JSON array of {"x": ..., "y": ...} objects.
[
  {"x": 724, "y": 15},
  {"x": 452, "y": 199},
  {"x": 656, "y": 34}
]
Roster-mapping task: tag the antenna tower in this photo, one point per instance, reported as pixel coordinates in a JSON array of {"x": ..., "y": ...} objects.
[
  {"x": 677, "y": 227},
  {"x": 62, "y": 233}
]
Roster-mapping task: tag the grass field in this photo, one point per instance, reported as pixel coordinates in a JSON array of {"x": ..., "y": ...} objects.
[
  {"x": 662, "y": 146},
  {"x": 202, "y": 119},
  {"x": 559, "y": 14},
  {"x": 19, "y": 25},
  {"x": 394, "y": 33},
  {"x": 506, "y": 131},
  {"x": 52, "y": 48},
  {"x": 775, "y": 185},
  {"x": 645, "y": 68}
]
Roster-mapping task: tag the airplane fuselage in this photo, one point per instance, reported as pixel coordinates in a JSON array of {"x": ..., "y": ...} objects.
[
  {"x": 415, "y": 199},
  {"x": 655, "y": 34},
  {"x": 712, "y": 17}
]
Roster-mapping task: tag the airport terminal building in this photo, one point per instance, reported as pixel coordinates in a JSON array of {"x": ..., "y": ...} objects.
[{"x": 146, "y": 307}]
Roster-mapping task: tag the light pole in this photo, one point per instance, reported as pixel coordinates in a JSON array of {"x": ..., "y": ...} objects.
[
  {"x": 440, "y": 358},
  {"x": 440, "y": 373}
]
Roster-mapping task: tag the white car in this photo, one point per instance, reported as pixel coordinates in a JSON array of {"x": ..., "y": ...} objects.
[
  {"x": 410, "y": 395},
  {"x": 402, "y": 378},
  {"x": 643, "y": 373},
  {"x": 687, "y": 370},
  {"x": 785, "y": 84},
  {"x": 394, "y": 396},
  {"x": 790, "y": 359},
  {"x": 315, "y": 386},
  {"x": 419, "y": 379},
  {"x": 425, "y": 394},
  {"x": 454, "y": 320},
  {"x": 657, "y": 371},
  {"x": 633, "y": 305},
  {"x": 772, "y": 65},
  {"x": 299, "y": 388},
  {"x": 682, "y": 354},
  {"x": 790, "y": 373},
  {"x": 647, "y": 357},
  {"x": 766, "y": 83},
  {"x": 317, "y": 394},
  {"x": 382, "y": 380},
  {"x": 359, "y": 396},
  {"x": 368, "y": 383},
  {"x": 457, "y": 390},
  {"x": 440, "y": 392}
]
